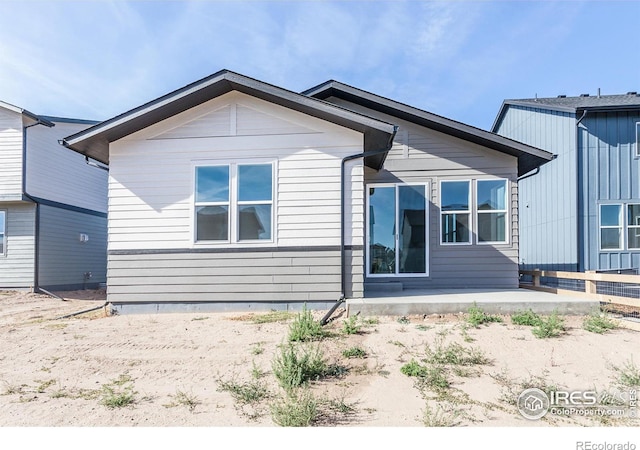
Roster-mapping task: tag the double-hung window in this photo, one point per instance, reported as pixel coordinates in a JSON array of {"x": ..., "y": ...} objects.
[
  {"x": 610, "y": 227},
  {"x": 484, "y": 200},
  {"x": 633, "y": 227},
  {"x": 455, "y": 212},
  {"x": 234, "y": 202},
  {"x": 491, "y": 199},
  {"x": 3, "y": 232}
]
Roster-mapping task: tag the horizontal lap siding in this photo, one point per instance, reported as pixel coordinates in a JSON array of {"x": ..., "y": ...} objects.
[
  {"x": 17, "y": 266},
  {"x": 159, "y": 215},
  {"x": 61, "y": 175},
  {"x": 422, "y": 155},
  {"x": 309, "y": 200},
  {"x": 306, "y": 275},
  {"x": 63, "y": 258},
  {"x": 151, "y": 211},
  {"x": 10, "y": 155}
]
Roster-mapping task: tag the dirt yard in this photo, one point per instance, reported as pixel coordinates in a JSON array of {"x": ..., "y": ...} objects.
[{"x": 217, "y": 370}]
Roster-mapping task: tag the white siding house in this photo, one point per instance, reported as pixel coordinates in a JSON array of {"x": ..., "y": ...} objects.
[
  {"x": 49, "y": 197},
  {"x": 232, "y": 193}
]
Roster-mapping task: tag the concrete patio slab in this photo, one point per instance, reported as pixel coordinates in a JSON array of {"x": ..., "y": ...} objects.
[{"x": 453, "y": 301}]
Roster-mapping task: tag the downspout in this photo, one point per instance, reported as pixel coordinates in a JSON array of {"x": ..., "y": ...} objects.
[
  {"x": 343, "y": 256},
  {"x": 580, "y": 232},
  {"x": 519, "y": 179},
  {"x": 25, "y": 194}
]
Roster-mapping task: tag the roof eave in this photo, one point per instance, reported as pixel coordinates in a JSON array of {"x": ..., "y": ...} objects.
[
  {"x": 611, "y": 108},
  {"x": 567, "y": 109},
  {"x": 527, "y": 156},
  {"x": 36, "y": 118},
  {"x": 94, "y": 141}
]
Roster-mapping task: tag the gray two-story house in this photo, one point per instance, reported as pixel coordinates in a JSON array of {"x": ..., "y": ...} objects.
[
  {"x": 53, "y": 206},
  {"x": 580, "y": 211}
]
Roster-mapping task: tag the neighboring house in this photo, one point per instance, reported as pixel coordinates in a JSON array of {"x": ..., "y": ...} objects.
[
  {"x": 582, "y": 210},
  {"x": 52, "y": 206},
  {"x": 232, "y": 190}
]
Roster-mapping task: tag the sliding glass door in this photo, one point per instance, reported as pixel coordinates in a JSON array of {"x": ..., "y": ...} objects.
[{"x": 397, "y": 230}]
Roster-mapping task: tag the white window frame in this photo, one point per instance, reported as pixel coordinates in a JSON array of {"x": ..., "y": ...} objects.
[
  {"x": 426, "y": 231},
  {"x": 469, "y": 212},
  {"x": 3, "y": 239},
  {"x": 233, "y": 204},
  {"x": 197, "y": 204},
  {"x": 507, "y": 220},
  {"x": 637, "y": 139},
  {"x": 631, "y": 226},
  {"x": 621, "y": 227}
]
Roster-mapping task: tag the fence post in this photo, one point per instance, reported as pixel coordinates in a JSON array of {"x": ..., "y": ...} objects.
[
  {"x": 536, "y": 277},
  {"x": 590, "y": 285}
]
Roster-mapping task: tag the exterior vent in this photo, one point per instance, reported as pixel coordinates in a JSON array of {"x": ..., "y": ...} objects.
[
  {"x": 584, "y": 95},
  {"x": 562, "y": 96}
]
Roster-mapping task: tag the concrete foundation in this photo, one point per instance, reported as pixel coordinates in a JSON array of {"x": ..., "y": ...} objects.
[
  {"x": 491, "y": 301},
  {"x": 208, "y": 307}
]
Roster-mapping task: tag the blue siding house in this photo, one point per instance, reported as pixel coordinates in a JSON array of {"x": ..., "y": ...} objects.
[{"x": 580, "y": 211}]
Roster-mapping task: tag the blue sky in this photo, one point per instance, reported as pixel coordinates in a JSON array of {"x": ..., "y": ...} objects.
[{"x": 460, "y": 59}]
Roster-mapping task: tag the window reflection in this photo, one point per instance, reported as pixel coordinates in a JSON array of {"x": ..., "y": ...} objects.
[
  {"x": 254, "y": 182},
  {"x": 492, "y": 210},
  {"x": 212, "y": 184},
  {"x": 212, "y": 223},
  {"x": 397, "y": 229},
  {"x": 454, "y": 196},
  {"x": 234, "y": 202},
  {"x": 382, "y": 231},
  {"x": 412, "y": 236},
  {"x": 255, "y": 222}
]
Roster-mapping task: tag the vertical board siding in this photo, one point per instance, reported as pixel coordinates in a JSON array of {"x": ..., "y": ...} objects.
[
  {"x": 151, "y": 208},
  {"x": 611, "y": 175},
  {"x": 17, "y": 266},
  {"x": 548, "y": 224},
  {"x": 10, "y": 155},
  {"x": 61, "y": 175},
  {"x": 63, "y": 258}
]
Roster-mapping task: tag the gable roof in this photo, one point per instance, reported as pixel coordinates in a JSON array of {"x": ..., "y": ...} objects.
[
  {"x": 529, "y": 157},
  {"x": 37, "y": 119},
  {"x": 94, "y": 141},
  {"x": 599, "y": 103}
]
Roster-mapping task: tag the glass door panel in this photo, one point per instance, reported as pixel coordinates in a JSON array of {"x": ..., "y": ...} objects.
[
  {"x": 382, "y": 230},
  {"x": 412, "y": 231},
  {"x": 397, "y": 235}
]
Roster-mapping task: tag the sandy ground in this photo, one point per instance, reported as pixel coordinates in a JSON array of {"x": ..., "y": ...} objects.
[{"x": 53, "y": 371}]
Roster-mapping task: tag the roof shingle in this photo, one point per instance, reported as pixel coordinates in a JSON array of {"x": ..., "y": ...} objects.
[{"x": 631, "y": 99}]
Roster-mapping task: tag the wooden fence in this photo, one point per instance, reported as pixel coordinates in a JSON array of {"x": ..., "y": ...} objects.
[{"x": 621, "y": 289}]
